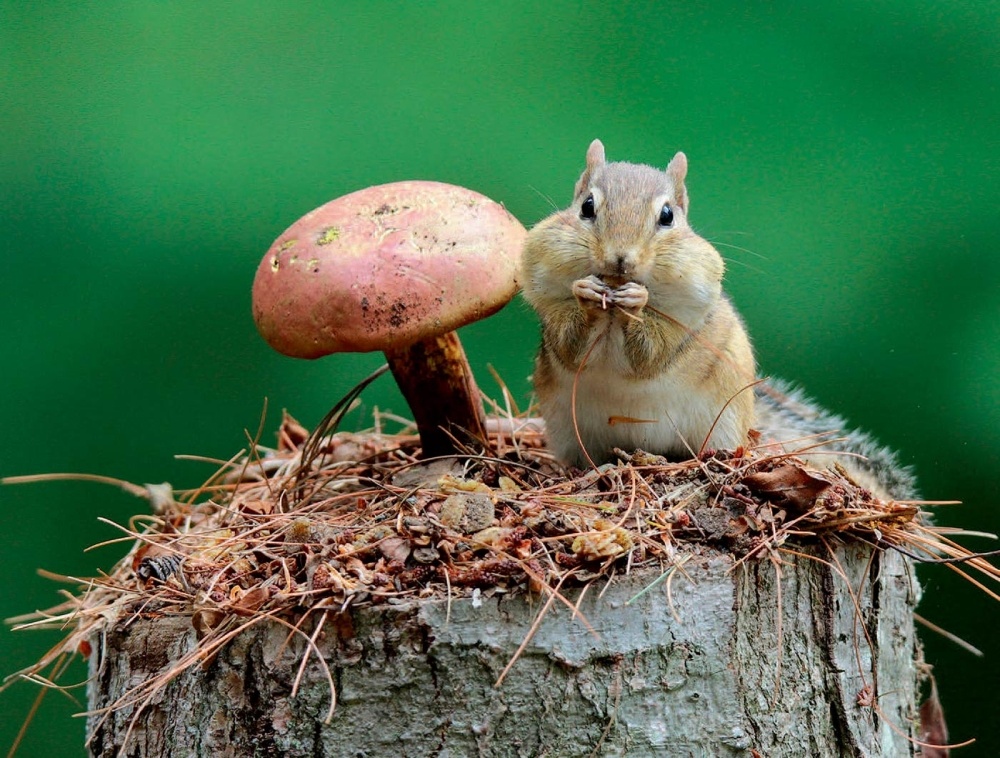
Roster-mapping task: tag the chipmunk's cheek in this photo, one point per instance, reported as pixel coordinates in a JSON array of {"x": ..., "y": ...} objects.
[{"x": 665, "y": 278}]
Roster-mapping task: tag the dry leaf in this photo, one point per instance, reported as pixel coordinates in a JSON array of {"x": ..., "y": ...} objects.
[
  {"x": 933, "y": 729},
  {"x": 205, "y": 620},
  {"x": 507, "y": 484},
  {"x": 291, "y": 434},
  {"x": 376, "y": 534},
  {"x": 249, "y": 602},
  {"x": 788, "y": 484},
  {"x": 642, "y": 458},
  {"x": 449, "y": 483},
  {"x": 395, "y": 548},
  {"x": 615, "y": 420},
  {"x": 426, "y": 475},
  {"x": 427, "y": 554},
  {"x": 257, "y": 507},
  {"x": 326, "y": 577},
  {"x": 356, "y": 567},
  {"x": 491, "y": 537}
]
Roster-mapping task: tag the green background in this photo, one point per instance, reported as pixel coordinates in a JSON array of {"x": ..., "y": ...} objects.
[{"x": 843, "y": 158}]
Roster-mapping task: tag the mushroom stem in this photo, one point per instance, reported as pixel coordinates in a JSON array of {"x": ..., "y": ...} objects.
[{"x": 435, "y": 378}]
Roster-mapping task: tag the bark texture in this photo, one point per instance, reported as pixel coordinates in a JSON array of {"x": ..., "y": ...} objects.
[{"x": 716, "y": 670}]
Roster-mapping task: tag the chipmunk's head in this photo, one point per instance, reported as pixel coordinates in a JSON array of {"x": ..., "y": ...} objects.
[
  {"x": 627, "y": 223},
  {"x": 635, "y": 221},
  {"x": 630, "y": 213}
]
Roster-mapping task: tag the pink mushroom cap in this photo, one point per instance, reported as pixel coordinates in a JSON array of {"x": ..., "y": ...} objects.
[{"x": 386, "y": 267}]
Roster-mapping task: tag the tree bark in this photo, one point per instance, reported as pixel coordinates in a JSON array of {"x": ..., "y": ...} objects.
[{"x": 719, "y": 661}]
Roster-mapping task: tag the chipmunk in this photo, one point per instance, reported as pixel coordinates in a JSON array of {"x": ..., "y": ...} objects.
[{"x": 625, "y": 287}]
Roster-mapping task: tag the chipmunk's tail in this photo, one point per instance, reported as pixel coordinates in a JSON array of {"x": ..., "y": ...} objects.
[{"x": 786, "y": 415}]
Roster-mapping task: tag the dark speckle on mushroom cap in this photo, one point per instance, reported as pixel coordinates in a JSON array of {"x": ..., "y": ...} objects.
[{"x": 385, "y": 267}]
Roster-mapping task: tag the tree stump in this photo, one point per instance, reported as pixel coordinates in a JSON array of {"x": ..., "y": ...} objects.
[{"x": 817, "y": 657}]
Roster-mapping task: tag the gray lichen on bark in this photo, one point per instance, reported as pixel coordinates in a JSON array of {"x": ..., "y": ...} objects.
[{"x": 713, "y": 671}]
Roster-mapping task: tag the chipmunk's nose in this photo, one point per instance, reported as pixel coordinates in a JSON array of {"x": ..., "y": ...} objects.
[{"x": 624, "y": 263}]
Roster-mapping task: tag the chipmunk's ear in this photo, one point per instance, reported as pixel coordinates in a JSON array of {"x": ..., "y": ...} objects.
[
  {"x": 595, "y": 158},
  {"x": 677, "y": 171},
  {"x": 595, "y": 154}
]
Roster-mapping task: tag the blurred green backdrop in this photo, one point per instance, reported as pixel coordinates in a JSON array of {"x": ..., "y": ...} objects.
[{"x": 843, "y": 157}]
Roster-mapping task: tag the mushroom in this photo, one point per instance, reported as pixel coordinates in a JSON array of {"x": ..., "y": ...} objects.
[{"x": 396, "y": 268}]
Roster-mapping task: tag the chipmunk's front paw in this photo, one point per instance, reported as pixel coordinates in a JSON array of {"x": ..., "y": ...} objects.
[
  {"x": 592, "y": 291},
  {"x": 630, "y": 296}
]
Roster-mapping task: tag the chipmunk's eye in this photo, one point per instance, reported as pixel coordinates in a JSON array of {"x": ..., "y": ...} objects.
[
  {"x": 666, "y": 216},
  {"x": 587, "y": 210}
]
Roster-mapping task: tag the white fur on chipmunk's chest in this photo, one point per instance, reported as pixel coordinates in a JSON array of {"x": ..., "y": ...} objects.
[{"x": 664, "y": 414}]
